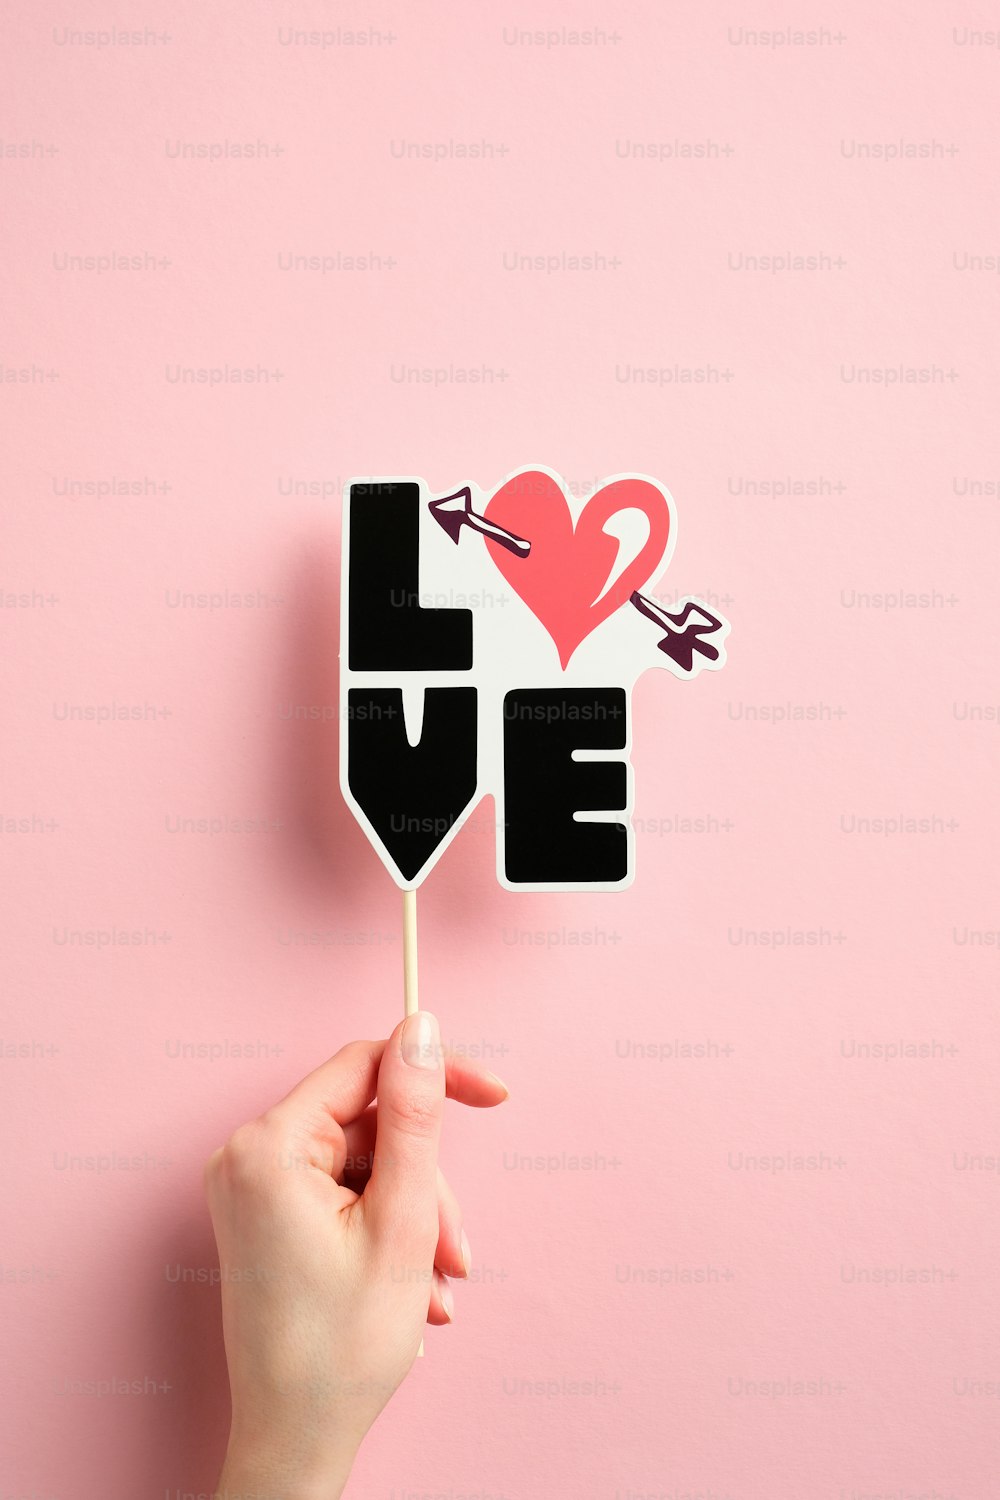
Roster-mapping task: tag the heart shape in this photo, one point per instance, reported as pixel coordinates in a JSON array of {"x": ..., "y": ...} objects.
[{"x": 564, "y": 577}]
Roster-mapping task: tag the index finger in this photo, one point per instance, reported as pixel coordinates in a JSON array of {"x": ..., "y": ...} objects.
[{"x": 341, "y": 1088}]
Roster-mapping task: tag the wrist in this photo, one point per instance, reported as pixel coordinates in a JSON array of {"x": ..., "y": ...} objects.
[{"x": 259, "y": 1468}]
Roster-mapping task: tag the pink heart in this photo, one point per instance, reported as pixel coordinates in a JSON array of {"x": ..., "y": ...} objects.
[{"x": 563, "y": 575}]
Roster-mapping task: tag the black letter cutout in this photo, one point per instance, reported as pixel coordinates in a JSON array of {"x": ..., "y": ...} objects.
[
  {"x": 412, "y": 794},
  {"x": 387, "y": 629},
  {"x": 544, "y": 787}
]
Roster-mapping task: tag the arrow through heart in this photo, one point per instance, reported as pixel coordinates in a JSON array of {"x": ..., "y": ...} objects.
[{"x": 564, "y": 578}]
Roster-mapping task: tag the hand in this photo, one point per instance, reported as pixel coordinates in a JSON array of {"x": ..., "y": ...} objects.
[{"x": 336, "y": 1231}]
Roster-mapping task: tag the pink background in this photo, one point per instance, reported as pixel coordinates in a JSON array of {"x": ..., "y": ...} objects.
[{"x": 667, "y": 1279}]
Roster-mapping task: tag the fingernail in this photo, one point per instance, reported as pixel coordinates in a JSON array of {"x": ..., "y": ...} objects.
[
  {"x": 466, "y": 1253},
  {"x": 447, "y": 1299},
  {"x": 421, "y": 1040},
  {"x": 506, "y": 1090}
]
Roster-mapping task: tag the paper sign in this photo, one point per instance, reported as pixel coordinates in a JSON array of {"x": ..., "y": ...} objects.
[{"x": 490, "y": 640}]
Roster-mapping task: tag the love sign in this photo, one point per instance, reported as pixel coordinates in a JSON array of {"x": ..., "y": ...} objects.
[{"x": 490, "y": 641}]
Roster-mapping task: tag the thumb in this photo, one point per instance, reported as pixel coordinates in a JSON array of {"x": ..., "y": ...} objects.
[{"x": 401, "y": 1196}]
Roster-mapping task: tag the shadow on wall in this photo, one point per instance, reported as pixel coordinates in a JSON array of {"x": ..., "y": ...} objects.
[
  {"x": 322, "y": 865},
  {"x": 328, "y": 855},
  {"x": 180, "y": 1323}
]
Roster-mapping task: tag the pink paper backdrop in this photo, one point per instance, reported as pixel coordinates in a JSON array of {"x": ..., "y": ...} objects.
[{"x": 774, "y": 1272}]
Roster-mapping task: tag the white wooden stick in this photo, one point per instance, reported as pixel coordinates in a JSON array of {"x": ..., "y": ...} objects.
[
  {"x": 410, "y": 974},
  {"x": 409, "y": 953}
]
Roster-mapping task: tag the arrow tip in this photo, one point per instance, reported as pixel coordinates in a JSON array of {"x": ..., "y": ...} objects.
[{"x": 450, "y": 516}]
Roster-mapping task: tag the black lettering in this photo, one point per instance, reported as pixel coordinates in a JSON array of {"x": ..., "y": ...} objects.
[
  {"x": 412, "y": 794},
  {"x": 544, "y": 786},
  {"x": 388, "y": 630}
]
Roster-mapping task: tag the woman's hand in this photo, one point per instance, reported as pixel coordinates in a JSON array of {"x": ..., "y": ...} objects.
[{"x": 336, "y": 1232}]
